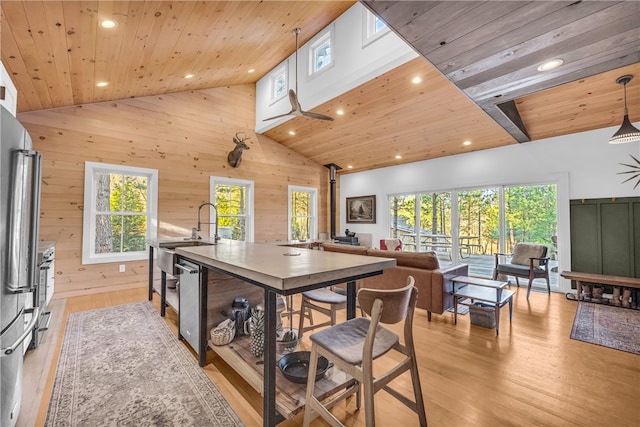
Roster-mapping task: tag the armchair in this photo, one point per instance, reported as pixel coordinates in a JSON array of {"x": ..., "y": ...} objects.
[{"x": 529, "y": 261}]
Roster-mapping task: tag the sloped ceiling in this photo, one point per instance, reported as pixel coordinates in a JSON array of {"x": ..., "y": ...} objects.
[{"x": 476, "y": 57}]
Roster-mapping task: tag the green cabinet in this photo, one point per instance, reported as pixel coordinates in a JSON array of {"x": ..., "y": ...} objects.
[{"x": 605, "y": 236}]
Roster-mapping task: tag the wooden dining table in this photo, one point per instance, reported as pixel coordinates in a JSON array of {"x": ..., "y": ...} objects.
[{"x": 280, "y": 270}]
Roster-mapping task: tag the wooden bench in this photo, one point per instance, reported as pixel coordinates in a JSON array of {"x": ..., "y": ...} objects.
[{"x": 602, "y": 279}]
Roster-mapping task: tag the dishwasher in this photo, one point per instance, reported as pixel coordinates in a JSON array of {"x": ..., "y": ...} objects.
[{"x": 189, "y": 312}]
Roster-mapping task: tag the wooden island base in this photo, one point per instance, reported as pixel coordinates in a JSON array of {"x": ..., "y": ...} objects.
[{"x": 290, "y": 396}]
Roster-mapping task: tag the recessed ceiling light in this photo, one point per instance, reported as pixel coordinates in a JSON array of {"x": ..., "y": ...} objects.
[
  {"x": 340, "y": 112},
  {"x": 350, "y": 167},
  {"x": 188, "y": 76},
  {"x": 102, "y": 84},
  {"x": 251, "y": 70},
  {"x": 550, "y": 65},
  {"x": 292, "y": 132},
  {"x": 416, "y": 80},
  {"x": 466, "y": 143},
  {"x": 108, "y": 23},
  {"x": 398, "y": 156}
]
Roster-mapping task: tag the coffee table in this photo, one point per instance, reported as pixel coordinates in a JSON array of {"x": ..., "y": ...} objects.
[{"x": 485, "y": 290}]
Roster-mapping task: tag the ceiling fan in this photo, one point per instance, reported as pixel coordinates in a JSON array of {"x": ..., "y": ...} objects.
[{"x": 296, "y": 109}]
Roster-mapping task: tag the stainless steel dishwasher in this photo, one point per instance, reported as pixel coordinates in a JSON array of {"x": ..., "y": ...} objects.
[{"x": 189, "y": 313}]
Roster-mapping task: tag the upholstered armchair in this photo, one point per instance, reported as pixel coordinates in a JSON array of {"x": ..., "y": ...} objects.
[{"x": 528, "y": 261}]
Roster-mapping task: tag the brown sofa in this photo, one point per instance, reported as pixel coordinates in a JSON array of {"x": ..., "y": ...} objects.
[{"x": 433, "y": 283}]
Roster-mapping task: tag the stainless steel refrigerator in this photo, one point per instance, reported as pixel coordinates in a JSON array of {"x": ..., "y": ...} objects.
[{"x": 20, "y": 168}]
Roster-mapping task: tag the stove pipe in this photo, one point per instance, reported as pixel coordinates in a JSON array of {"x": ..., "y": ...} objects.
[{"x": 332, "y": 196}]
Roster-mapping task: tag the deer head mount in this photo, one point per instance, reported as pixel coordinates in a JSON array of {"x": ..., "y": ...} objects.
[{"x": 235, "y": 156}]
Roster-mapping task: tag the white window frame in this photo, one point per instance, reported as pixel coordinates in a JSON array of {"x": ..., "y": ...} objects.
[
  {"x": 89, "y": 221},
  {"x": 313, "y": 232},
  {"x": 249, "y": 215},
  {"x": 369, "y": 33},
  {"x": 273, "y": 78},
  {"x": 314, "y": 46}
]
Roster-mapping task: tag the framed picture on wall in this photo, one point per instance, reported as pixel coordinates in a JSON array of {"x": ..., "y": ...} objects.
[{"x": 361, "y": 210}]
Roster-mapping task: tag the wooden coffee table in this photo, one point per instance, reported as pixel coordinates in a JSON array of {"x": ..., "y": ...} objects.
[{"x": 485, "y": 290}]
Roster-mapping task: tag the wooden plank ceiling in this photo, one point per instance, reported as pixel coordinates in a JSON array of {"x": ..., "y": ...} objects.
[
  {"x": 477, "y": 56},
  {"x": 491, "y": 50}
]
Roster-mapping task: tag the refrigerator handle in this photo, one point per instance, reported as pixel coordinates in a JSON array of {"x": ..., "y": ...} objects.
[
  {"x": 23, "y": 236},
  {"x": 27, "y": 331},
  {"x": 34, "y": 219}
]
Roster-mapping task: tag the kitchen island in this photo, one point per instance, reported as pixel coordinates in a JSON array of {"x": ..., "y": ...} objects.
[{"x": 278, "y": 270}]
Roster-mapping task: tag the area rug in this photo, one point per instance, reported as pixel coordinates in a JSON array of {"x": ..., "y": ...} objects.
[
  {"x": 608, "y": 326},
  {"x": 123, "y": 366}
]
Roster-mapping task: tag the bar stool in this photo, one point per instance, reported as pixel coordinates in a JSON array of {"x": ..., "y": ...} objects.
[
  {"x": 332, "y": 302},
  {"x": 353, "y": 346}
]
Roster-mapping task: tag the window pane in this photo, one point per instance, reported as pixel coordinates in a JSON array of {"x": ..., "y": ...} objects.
[
  {"x": 231, "y": 199},
  {"x": 104, "y": 235},
  {"x": 479, "y": 229},
  {"x": 135, "y": 194},
  {"x": 435, "y": 220},
  {"x": 300, "y": 228},
  {"x": 115, "y": 193},
  {"x": 403, "y": 220},
  {"x": 279, "y": 85},
  {"x": 233, "y": 228},
  {"x": 301, "y": 204},
  {"x": 379, "y": 25},
  {"x": 103, "y": 192},
  {"x": 322, "y": 55},
  {"x": 134, "y": 231},
  {"x": 231, "y": 202},
  {"x": 530, "y": 215}
]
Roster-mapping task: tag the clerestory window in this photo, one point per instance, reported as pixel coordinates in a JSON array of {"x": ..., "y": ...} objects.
[{"x": 320, "y": 52}]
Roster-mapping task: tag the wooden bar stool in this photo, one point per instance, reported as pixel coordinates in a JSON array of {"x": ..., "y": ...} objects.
[
  {"x": 353, "y": 346},
  {"x": 331, "y": 302}
]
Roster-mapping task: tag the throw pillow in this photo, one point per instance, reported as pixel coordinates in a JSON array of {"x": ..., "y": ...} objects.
[{"x": 523, "y": 251}]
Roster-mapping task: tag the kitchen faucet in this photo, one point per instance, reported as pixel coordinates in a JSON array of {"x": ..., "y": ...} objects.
[{"x": 215, "y": 235}]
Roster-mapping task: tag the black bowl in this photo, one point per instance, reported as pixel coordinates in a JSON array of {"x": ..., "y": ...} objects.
[{"x": 295, "y": 366}]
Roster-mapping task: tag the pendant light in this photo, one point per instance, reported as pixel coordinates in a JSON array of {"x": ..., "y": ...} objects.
[{"x": 627, "y": 132}]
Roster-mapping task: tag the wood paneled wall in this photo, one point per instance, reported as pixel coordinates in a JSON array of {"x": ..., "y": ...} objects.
[{"x": 185, "y": 136}]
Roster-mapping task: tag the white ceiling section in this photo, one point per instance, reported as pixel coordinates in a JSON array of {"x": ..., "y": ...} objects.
[{"x": 355, "y": 62}]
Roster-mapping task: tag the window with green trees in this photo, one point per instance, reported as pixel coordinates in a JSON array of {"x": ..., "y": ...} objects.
[
  {"x": 120, "y": 212},
  {"x": 303, "y": 220},
  {"x": 232, "y": 202}
]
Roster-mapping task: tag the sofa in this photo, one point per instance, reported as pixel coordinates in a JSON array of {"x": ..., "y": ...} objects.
[{"x": 433, "y": 283}]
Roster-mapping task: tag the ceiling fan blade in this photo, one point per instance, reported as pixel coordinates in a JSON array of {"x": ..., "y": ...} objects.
[
  {"x": 293, "y": 99},
  {"x": 316, "y": 116},
  {"x": 290, "y": 113}
]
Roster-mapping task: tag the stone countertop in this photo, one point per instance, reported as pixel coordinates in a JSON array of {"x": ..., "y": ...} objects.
[{"x": 283, "y": 268}]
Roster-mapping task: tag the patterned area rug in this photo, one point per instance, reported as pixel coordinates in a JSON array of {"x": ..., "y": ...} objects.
[
  {"x": 608, "y": 326},
  {"x": 123, "y": 366}
]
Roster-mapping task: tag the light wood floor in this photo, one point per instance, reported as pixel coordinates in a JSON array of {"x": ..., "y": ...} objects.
[{"x": 533, "y": 374}]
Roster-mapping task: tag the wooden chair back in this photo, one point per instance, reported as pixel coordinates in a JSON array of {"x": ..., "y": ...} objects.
[{"x": 395, "y": 303}]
